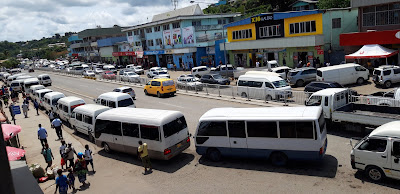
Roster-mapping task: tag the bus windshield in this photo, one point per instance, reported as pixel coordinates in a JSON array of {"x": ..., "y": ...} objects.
[
  {"x": 314, "y": 101},
  {"x": 125, "y": 102}
]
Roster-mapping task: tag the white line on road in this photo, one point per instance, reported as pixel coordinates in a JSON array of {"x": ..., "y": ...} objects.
[
  {"x": 171, "y": 105},
  {"x": 102, "y": 90},
  {"x": 90, "y": 97}
]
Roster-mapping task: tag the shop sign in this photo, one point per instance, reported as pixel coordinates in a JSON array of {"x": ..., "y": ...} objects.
[
  {"x": 154, "y": 52},
  {"x": 169, "y": 51},
  {"x": 139, "y": 54},
  {"x": 310, "y": 57},
  {"x": 302, "y": 48},
  {"x": 295, "y": 57},
  {"x": 320, "y": 52},
  {"x": 118, "y": 54},
  {"x": 262, "y": 18},
  {"x": 75, "y": 54},
  {"x": 317, "y": 47}
]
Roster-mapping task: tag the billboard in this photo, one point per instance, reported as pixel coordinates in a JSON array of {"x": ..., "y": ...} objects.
[
  {"x": 167, "y": 37},
  {"x": 176, "y": 36},
  {"x": 188, "y": 35}
]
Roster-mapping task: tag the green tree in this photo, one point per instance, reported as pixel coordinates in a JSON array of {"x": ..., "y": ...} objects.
[
  {"x": 10, "y": 63},
  {"x": 328, "y": 4}
]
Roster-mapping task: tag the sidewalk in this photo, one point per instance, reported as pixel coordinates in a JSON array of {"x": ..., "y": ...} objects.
[{"x": 29, "y": 141}]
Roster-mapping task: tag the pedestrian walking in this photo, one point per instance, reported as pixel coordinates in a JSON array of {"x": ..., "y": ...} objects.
[
  {"x": 71, "y": 179},
  {"x": 36, "y": 105},
  {"x": 61, "y": 183},
  {"x": 5, "y": 99},
  {"x": 57, "y": 124},
  {"x": 12, "y": 112},
  {"x": 70, "y": 155},
  {"x": 48, "y": 155},
  {"x": 25, "y": 109},
  {"x": 51, "y": 115},
  {"x": 144, "y": 155},
  {"x": 62, "y": 154},
  {"x": 174, "y": 66},
  {"x": 80, "y": 168},
  {"x": 88, "y": 157},
  {"x": 42, "y": 135}
]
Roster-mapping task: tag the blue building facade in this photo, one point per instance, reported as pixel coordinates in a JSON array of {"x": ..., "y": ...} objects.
[{"x": 75, "y": 49}]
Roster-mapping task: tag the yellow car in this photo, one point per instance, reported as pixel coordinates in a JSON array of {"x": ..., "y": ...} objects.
[{"x": 160, "y": 87}]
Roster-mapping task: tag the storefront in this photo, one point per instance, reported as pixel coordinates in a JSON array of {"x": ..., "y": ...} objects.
[
  {"x": 124, "y": 58},
  {"x": 154, "y": 58},
  {"x": 295, "y": 55}
]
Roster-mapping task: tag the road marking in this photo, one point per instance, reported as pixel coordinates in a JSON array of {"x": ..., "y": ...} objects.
[
  {"x": 90, "y": 97},
  {"x": 171, "y": 105},
  {"x": 102, "y": 90}
]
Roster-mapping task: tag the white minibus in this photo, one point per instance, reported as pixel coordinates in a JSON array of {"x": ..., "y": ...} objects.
[
  {"x": 115, "y": 100},
  {"x": 13, "y": 77},
  {"x": 263, "y": 87},
  {"x": 28, "y": 83},
  {"x": 83, "y": 118},
  {"x": 276, "y": 133},
  {"x": 344, "y": 74},
  {"x": 66, "y": 105},
  {"x": 44, "y": 79},
  {"x": 33, "y": 88},
  {"x": 39, "y": 94},
  {"x": 16, "y": 85},
  {"x": 50, "y": 100},
  {"x": 165, "y": 132}
]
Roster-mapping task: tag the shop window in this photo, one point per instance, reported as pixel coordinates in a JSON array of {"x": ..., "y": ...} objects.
[
  {"x": 166, "y": 27},
  {"x": 130, "y": 33},
  {"x": 242, "y": 34},
  {"x": 150, "y": 43},
  {"x": 158, "y": 41},
  {"x": 221, "y": 21},
  {"x": 336, "y": 22},
  {"x": 269, "y": 31},
  {"x": 176, "y": 25},
  {"x": 149, "y": 30},
  {"x": 386, "y": 14},
  {"x": 157, "y": 28},
  {"x": 302, "y": 27},
  {"x": 136, "y": 32},
  {"x": 196, "y": 23}
]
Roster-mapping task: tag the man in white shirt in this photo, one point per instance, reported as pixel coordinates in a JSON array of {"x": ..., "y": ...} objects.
[
  {"x": 88, "y": 157},
  {"x": 62, "y": 153}
]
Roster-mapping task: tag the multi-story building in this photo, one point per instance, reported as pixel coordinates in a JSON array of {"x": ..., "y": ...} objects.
[
  {"x": 378, "y": 23},
  {"x": 184, "y": 36},
  {"x": 76, "y": 48},
  {"x": 108, "y": 46},
  {"x": 301, "y": 5},
  {"x": 288, "y": 37}
]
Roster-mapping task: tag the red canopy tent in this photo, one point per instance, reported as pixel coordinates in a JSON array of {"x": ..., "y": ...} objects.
[
  {"x": 372, "y": 51},
  {"x": 14, "y": 153},
  {"x": 9, "y": 131}
]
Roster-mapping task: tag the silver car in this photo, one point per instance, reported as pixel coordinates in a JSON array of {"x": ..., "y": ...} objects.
[{"x": 300, "y": 76}]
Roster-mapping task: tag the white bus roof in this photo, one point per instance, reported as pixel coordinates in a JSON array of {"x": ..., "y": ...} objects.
[
  {"x": 91, "y": 109},
  {"x": 329, "y": 91},
  {"x": 114, "y": 96},
  {"x": 53, "y": 94},
  {"x": 31, "y": 80},
  {"x": 71, "y": 99},
  {"x": 390, "y": 129},
  {"x": 265, "y": 73},
  {"x": 43, "y": 90},
  {"x": 285, "y": 113},
  {"x": 108, "y": 66},
  {"x": 37, "y": 86},
  {"x": 42, "y": 75},
  {"x": 338, "y": 66},
  {"x": 140, "y": 115},
  {"x": 270, "y": 78}
]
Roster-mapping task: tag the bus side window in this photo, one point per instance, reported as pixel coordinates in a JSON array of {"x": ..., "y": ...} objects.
[
  {"x": 237, "y": 129},
  {"x": 149, "y": 132},
  {"x": 212, "y": 128},
  {"x": 326, "y": 101}
]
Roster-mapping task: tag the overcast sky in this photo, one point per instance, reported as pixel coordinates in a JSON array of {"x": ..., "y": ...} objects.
[{"x": 22, "y": 20}]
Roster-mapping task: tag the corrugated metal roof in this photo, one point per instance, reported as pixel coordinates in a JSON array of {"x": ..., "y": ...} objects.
[
  {"x": 100, "y": 32},
  {"x": 291, "y": 14},
  {"x": 191, "y": 10}
]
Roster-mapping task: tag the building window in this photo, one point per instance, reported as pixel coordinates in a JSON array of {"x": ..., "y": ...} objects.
[
  {"x": 387, "y": 14},
  {"x": 302, "y": 27},
  {"x": 136, "y": 32},
  {"x": 196, "y": 23},
  {"x": 270, "y": 31},
  {"x": 166, "y": 27},
  {"x": 336, "y": 22},
  {"x": 130, "y": 33},
  {"x": 137, "y": 43},
  {"x": 176, "y": 25},
  {"x": 242, "y": 34},
  {"x": 158, "y": 41},
  {"x": 222, "y": 21},
  {"x": 148, "y": 30},
  {"x": 157, "y": 28},
  {"x": 150, "y": 43}
]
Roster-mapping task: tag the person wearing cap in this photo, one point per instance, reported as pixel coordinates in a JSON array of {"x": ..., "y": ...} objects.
[
  {"x": 70, "y": 155},
  {"x": 80, "y": 168},
  {"x": 144, "y": 155}
]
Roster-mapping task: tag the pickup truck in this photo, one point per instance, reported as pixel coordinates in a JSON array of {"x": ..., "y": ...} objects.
[
  {"x": 340, "y": 113},
  {"x": 390, "y": 98}
]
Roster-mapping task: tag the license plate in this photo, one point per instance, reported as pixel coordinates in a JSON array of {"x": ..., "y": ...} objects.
[
  {"x": 179, "y": 145},
  {"x": 169, "y": 88},
  {"x": 226, "y": 84}
]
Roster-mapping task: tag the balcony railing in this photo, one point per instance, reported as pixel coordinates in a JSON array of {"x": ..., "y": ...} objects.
[
  {"x": 209, "y": 37},
  {"x": 208, "y": 27}
]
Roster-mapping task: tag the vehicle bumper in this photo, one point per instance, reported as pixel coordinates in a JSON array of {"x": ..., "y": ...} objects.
[{"x": 177, "y": 149}]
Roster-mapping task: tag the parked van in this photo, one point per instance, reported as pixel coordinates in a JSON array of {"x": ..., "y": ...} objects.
[
  {"x": 263, "y": 87},
  {"x": 29, "y": 82},
  {"x": 276, "y": 133},
  {"x": 66, "y": 105},
  {"x": 83, "y": 118},
  {"x": 165, "y": 132},
  {"x": 50, "y": 100},
  {"x": 44, "y": 79},
  {"x": 115, "y": 100},
  {"x": 39, "y": 94},
  {"x": 349, "y": 73},
  {"x": 13, "y": 77},
  {"x": 300, "y": 76},
  {"x": 378, "y": 153},
  {"x": 33, "y": 88},
  {"x": 110, "y": 68},
  {"x": 265, "y": 73},
  {"x": 17, "y": 85},
  {"x": 200, "y": 71}
]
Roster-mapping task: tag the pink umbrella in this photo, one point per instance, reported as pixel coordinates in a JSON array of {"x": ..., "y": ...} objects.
[
  {"x": 9, "y": 131},
  {"x": 14, "y": 153}
]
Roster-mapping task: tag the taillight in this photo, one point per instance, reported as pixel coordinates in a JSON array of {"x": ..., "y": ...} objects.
[
  {"x": 322, "y": 79},
  {"x": 162, "y": 88},
  {"x": 381, "y": 77},
  {"x": 188, "y": 140},
  {"x": 167, "y": 151},
  {"x": 321, "y": 150}
]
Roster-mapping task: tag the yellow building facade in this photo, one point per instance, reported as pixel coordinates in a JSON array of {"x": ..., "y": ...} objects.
[
  {"x": 232, "y": 30},
  {"x": 302, "y": 22}
]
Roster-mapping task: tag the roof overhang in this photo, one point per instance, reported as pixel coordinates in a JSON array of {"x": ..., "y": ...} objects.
[{"x": 373, "y": 37}]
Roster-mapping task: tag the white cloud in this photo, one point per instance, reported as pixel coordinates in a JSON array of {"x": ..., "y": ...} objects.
[{"x": 22, "y": 20}]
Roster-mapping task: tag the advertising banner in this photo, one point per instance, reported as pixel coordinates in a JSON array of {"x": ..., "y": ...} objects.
[
  {"x": 176, "y": 36},
  {"x": 188, "y": 35},
  {"x": 167, "y": 37},
  {"x": 130, "y": 39}
]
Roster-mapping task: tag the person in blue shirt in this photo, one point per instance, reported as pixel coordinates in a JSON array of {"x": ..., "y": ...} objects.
[
  {"x": 56, "y": 123},
  {"x": 42, "y": 135},
  {"x": 61, "y": 183}
]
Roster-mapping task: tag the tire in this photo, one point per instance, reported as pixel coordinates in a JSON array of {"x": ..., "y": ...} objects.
[
  {"x": 300, "y": 83},
  {"x": 374, "y": 173},
  {"x": 158, "y": 94},
  {"x": 244, "y": 95},
  {"x": 268, "y": 98},
  {"x": 172, "y": 94},
  {"x": 387, "y": 84},
  {"x": 145, "y": 92},
  {"x": 278, "y": 159},
  {"x": 360, "y": 80},
  {"x": 106, "y": 148},
  {"x": 214, "y": 155}
]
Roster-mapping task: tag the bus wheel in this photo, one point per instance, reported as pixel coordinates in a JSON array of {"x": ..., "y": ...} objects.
[
  {"x": 106, "y": 148},
  {"x": 268, "y": 98},
  {"x": 278, "y": 159},
  {"x": 375, "y": 173},
  {"x": 214, "y": 155},
  {"x": 244, "y": 95}
]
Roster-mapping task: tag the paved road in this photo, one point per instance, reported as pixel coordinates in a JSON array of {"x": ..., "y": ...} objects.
[{"x": 121, "y": 173}]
